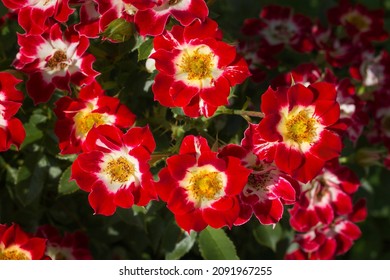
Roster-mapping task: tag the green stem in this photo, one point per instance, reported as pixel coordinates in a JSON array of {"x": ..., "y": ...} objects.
[{"x": 224, "y": 110}]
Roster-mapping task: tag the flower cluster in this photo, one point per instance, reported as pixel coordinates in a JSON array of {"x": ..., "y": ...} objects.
[{"x": 284, "y": 159}]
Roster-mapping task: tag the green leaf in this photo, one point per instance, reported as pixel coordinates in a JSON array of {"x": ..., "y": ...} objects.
[
  {"x": 32, "y": 134},
  {"x": 182, "y": 247},
  {"x": 119, "y": 30},
  {"x": 268, "y": 236},
  {"x": 66, "y": 186},
  {"x": 145, "y": 49},
  {"x": 214, "y": 244},
  {"x": 30, "y": 180}
]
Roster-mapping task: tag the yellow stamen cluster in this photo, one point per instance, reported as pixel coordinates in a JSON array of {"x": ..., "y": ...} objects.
[
  {"x": 85, "y": 121},
  {"x": 205, "y": 185},
  {"x": 119, "y": 170},
  {"x": 197, "y": 65},
  {"x": 13, "y": 254},
  {"x": 357, "y": 20},
  {"x": 301, "y": 128},
  {"x": 58, "y": 60}
]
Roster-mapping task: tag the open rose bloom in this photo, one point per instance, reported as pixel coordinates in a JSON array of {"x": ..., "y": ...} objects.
[
  {"x": 33, "y": 15},
  {"x": 196, "y": 69},
  {"x": 53, "y": 60},
  {"x": 267, "y": 188},
  {"x": 76, "y": 117},
  {"x": 114, "y": 168},
  {"x": 297, "y": 131},
  {"x": 200, "y": 188},
  {"x": 15, "y": 244}
]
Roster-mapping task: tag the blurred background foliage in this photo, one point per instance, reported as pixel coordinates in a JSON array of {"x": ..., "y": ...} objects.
[{"x": 34, "y": 186}]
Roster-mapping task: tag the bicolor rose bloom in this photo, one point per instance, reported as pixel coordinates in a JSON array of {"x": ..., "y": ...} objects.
[
  {"x": 278, "y": 27},
  {"x": 34, "y": 14},
  {"x": 114, "y": 168},
  {"x": 200, "y": 188},
  {"x": 196, "y": 69},
  {"x": 325, "y": 197},
  {"x": 76, "y": 117},
  {"x": 358, "y": 21},
  {"x": 352, "y": 113},
  {"x": 325, "y": 242},
  {"x": 372, "y": 70},
  {"x": 267, "y": 188},
  {"x": 69, "y": 246},
  {"x": 152, "y": 22},
  {"x": 15, "y": 244},
  {"x": 53, "y": 60},
  {"x": 11, "y": 128},
  {"x": 298, "y": 130}
]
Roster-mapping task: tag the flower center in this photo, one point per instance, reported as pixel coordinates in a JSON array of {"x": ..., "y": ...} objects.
[
  {"x": 85, "y": 121},
  {"x": 13, "y": 254},
  {"x": 301, "y": 128},
  {"x": 119, "y": 170},
  {"x": 197, "y": 65},
  {"x": 357, "y": 20},
  {"x": 205, "y": 185},
  {"x": 58, "y": 61}
]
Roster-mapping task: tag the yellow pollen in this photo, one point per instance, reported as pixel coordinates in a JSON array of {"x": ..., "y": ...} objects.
[
  {"x": 357, "y": 20},
  {"x": 205, "y": 185},
  {"x": 197, "y": 65},
  {"x": 58, "y": 60},
  {"x": 13, "y": 254},
  {"x": 301, "y": 128},
  {"x": 119, "y": 170},
  {"x": 85, "y": 121}
]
